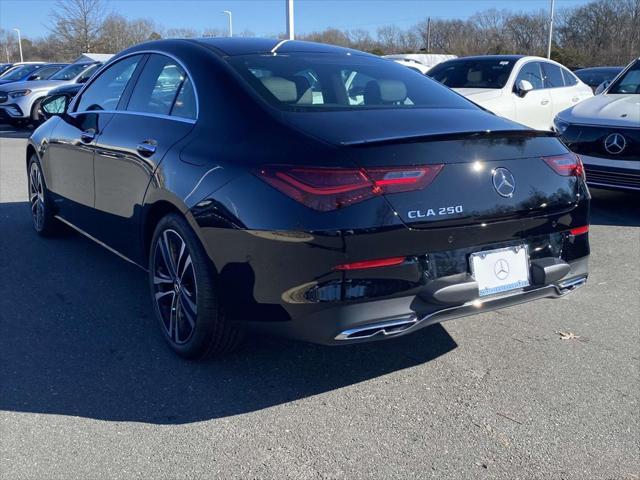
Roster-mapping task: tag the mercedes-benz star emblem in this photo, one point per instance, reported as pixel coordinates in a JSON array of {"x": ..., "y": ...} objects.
[
  {"x": 503, "y": 182},
  {"x": 615, "y": 144},
  {"x": 501, "y": 269}
]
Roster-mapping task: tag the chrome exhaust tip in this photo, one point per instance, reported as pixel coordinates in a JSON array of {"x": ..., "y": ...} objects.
[
  {"x": 570, "y": 285},
  {"x": 388, "y": 328}
]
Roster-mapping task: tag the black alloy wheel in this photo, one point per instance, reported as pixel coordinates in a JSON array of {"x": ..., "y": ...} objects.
[
  {"x": 41, "y": 212},
  {"x": 185, "y": 295}
]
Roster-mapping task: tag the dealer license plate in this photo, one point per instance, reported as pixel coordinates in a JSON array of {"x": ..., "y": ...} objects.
[{"x": 500, "y": 270}]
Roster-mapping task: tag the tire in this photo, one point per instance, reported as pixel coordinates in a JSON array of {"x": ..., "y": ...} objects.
[
  {"x": 36, "y": 115},
  {"x": 186, "y": 303},
  {"x": 40, "y": 203}
]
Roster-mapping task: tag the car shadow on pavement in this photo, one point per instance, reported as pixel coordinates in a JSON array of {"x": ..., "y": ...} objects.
[
  {"x": 615, "y": 208},
  {"x": 77, "y": 337}
]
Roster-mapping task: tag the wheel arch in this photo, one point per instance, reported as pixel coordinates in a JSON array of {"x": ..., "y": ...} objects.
[
  {"x": 155, "y": 212},
  {"x": 30, "y": 151}
]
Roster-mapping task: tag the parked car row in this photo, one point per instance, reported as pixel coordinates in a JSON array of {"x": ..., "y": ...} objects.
[
  {"x": 544, "y": 95},
  {"x": 21, "y": 93}
]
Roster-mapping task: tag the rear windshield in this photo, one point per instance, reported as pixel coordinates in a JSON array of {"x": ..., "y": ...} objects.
[
  {"x": 70, "y": 72},
  {"x": 629, "y": 82},
  {"x": 312, "y": 82},
  {"x": 473, "y": 73}
]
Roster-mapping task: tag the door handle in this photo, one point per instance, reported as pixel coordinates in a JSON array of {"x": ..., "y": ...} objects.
[
  {"x": 575, "y": 99},
  {"x": 146, "y": 148},
  {"x": 88, "y": 135},
  {"x": 544, "y": 102}
]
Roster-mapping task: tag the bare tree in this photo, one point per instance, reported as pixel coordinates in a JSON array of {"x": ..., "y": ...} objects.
[
  {"x": 76, "y": 25},
  {"x": 118, "y": 33}
]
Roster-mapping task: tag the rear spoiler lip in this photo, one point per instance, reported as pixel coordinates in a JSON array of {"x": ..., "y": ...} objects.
[{"x": 517, "y": 133}]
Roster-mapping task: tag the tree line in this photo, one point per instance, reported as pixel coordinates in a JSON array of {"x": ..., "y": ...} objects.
[{"x": 602, "y": 32}]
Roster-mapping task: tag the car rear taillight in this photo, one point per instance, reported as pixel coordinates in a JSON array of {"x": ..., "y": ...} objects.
[
  {"x": 326, "y": 189},
  {"x": 567, "y": 165}
]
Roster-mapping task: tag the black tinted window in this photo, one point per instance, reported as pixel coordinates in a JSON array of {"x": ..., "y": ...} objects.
[
  {"x": 552, "y": 76},
  {"x": 158, "y": 86},
  {"x": 476, "y": 73},
  {"x": 311, "y": 82},
  {"x": 629, "y": 82},
  {"x": 531, "y": 72},
  {"x": 105, "y": 91},
  {"x": 46, "y": 72},
  {"x": 569, "y": 78}
]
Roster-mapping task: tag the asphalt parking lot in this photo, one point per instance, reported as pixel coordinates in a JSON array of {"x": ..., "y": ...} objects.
[{"x": 89, "y": 390}]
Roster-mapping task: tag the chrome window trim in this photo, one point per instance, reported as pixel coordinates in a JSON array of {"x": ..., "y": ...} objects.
[
  {"x": 140, "y": 114},
  {"x": 140, "y": 52}
]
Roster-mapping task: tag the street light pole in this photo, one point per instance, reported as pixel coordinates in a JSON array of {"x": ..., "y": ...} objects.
[
  {"x": 550, "y": 30},
  {"x": 19, "y": 43},
  {"x": 230, "y": 22},
  {"x": 289, "y": 10}
]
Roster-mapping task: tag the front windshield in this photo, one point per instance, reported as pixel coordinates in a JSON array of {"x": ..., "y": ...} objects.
[
  {"x": 473, "y": 73},
  {"x": 313, "y": 82},
  {"x": 629, "y": 82},
  {"x": 19, "y": 72},
  {"x": 69, "y": 72}
]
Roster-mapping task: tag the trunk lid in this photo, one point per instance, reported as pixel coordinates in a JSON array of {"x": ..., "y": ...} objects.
[{"x": 489, "y": 174}]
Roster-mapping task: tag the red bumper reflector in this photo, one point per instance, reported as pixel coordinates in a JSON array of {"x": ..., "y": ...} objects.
[
  {"x": 579, "y": 230},
  {"x": 382, "y": 262}
]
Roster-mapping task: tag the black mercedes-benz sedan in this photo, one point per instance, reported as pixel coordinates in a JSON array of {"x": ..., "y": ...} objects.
[{"x": 306, "y": 190}]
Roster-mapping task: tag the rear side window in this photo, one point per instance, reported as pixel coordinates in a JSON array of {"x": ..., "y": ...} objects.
[
  {"x": 105, "y": 92},
  {"x": 45, "y": 72},
  {"x": 158, "y": 87},
  {"x": 531, "y": 72},
  {"x": 569, "y": 78},
  {"x": 185, "y": 104},
  {"x": 552, "y": 76}
]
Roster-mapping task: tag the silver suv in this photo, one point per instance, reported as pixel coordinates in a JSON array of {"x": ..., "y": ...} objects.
[{"x": 20, "y": 101}]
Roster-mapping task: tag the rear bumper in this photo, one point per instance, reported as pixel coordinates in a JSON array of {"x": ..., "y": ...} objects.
[{"x": 388, "y": 318}]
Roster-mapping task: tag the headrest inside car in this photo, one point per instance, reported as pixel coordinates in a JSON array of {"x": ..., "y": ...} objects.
[
  {"x": 474, "y": 76},
  {"x": 281, "y": 88},
  {"x": 385, "y": 91}
]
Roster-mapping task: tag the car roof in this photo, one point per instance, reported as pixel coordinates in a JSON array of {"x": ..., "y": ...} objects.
[
  {"x": 227, "y": 46},
  {"x": 490, "y": 57}
]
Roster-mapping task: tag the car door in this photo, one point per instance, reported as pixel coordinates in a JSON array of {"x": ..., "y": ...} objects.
[
  {"x": 562, "y": 96},
  {"x": 69, "y": 159},
  {"x": 160, "y": 110},
  {"x": 533, "y": 109}
]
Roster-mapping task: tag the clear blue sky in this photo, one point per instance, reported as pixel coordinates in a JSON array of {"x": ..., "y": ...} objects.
[{"x": 266, "y": 17}]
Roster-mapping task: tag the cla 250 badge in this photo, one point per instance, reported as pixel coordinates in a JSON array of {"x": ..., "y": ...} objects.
[{"x": 435, "y": 212}]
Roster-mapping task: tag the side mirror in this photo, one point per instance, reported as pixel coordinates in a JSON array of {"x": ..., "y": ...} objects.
[
  {"x": 602, "y": 87},
  {"x": 55, "y": 105},
  {"x": 35, "y": 76},
  {"x": 523, "y": 87}
]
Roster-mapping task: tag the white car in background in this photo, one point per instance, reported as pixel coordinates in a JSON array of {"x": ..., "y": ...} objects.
[
  {"x": 528, "y": 90},
  {"x": 605, "y": 131},
  {"x": 421, "y": 62}
]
